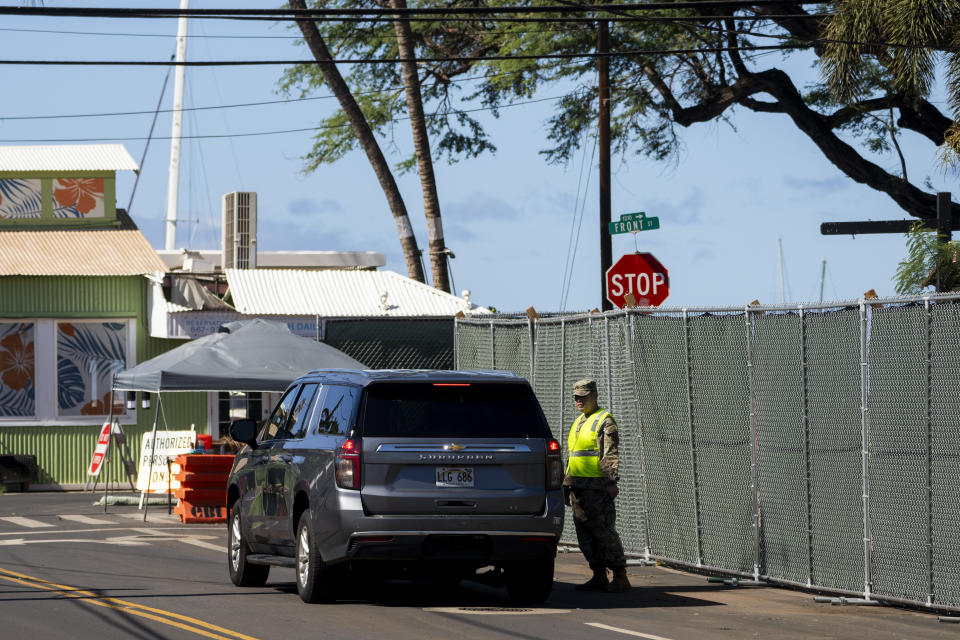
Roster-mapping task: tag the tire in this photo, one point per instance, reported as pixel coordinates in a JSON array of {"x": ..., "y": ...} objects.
[
  {"x": 316, "y": 581},
  {"x": 530, "y": 582},
  {"x": 242, "y": 573}
]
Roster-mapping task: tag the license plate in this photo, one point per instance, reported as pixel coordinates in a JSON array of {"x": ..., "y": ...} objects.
[{"x": 454, "y": 476}]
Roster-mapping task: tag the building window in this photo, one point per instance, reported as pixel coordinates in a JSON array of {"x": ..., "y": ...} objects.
[
  {"x": 55, "y": 371},
  {"x": 17, "y": 386},
  {"x": 20, "y": 198},
  {"x": 236, "y": 405}
]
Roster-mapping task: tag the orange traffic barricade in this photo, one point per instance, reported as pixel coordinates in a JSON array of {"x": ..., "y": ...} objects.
[{"x": 203, "y": 487}]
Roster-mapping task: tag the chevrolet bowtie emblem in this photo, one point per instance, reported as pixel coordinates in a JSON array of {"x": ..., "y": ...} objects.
[{"x": 454, "y": 447}]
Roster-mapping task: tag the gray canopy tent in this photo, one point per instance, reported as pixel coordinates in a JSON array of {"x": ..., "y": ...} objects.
[{"x": 246, "y": 355}]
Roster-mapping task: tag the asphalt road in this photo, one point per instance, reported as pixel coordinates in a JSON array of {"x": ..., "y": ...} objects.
[{"x": 70, "y": 570}]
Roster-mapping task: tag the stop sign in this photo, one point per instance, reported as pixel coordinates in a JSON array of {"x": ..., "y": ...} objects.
[{"x": 640, "y": 274}]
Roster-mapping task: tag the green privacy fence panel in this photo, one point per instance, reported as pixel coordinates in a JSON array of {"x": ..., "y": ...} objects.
[
  {"x": 722, "y": 439},
  {"x": 660, "y": 358},
  {"x": 783, "y": 452},
  {"x": 393, "y": 343},
  {"x": 899, "y": 464},
  {"x": 835, "y": 432},
  {"x": 808, "y": 445},
  {"x": 622, "y": 403},
  {"x": 945, "y": 453}
]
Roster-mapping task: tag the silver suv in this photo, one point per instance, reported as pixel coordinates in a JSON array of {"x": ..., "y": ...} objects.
[{"x": 380, "y": 474}]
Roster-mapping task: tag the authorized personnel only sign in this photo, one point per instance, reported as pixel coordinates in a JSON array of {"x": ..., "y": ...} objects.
[{"x": 169, "y": 445}]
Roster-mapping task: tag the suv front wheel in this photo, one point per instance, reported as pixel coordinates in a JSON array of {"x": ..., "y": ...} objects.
[
  {"x": 242, "y": 573},
  {"x": 316, "y": 581}
]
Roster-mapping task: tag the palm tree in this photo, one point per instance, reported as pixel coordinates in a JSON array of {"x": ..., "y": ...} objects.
[
  {"x": 421, "y": 143},
  {"x": 903, "y": 41},
  {"x": 368, "y": 142}
]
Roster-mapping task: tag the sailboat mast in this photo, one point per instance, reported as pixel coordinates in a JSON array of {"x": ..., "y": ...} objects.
[
  {"x": 173, "y": 181},
  {"x": 783, "y": 290},
  {"x": 823, "y": 274}
]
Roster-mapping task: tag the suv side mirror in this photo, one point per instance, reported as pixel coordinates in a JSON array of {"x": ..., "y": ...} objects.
[{"x": 244, "y": 431}]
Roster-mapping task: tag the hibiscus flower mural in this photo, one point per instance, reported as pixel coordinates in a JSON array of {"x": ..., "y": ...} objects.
[
  {"x": 76, "y": 197},
  {"x": 16, "y": 369}
]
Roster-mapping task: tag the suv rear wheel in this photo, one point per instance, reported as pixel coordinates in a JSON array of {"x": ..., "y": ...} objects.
[
  {"x": 316, "y": 581},
  {"x": 530, "y": 582},
  {"x": 242, "y": 573}
]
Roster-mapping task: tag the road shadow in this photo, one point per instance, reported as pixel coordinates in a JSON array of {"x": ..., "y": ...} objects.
[{"x": 470, "y": 594}]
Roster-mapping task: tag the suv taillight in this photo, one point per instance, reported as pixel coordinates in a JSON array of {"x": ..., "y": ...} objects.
[
  {"x": 554, "y": 465},
  {"x": 348, "y": 465}
]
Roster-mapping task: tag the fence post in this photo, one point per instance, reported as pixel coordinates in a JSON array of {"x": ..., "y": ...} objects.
[
  {"x": 929, "y": 443},
  {"x": 531, "y": 334},
  {"x": 493, "y": 348},
  {"x": 639, "y": 421},
  {"x": 609, "y": 375},
  {"x": 456, "y": 343},
  {"x": 693, "y": 439},
  {"x": 805, "y": 418},
  {"x": 563, "y": 364},
  {"x": 864, "y": 449},
  {"x": 754, "y": 445}
]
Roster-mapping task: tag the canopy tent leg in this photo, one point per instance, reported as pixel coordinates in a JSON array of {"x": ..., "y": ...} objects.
[
  {"x": 106, "y": 462},
  {"x": 153, "y": 448}
]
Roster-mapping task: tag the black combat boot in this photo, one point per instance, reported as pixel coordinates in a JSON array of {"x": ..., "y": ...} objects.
[
  {"x": 619, "y": 584},
  {"x": 598, "y": 582}
]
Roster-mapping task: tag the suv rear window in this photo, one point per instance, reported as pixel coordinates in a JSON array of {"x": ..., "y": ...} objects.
[{"x": 445, "y": 410}]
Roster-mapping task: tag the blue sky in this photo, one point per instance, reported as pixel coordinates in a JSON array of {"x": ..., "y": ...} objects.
[{"x": 723, "y": 205}]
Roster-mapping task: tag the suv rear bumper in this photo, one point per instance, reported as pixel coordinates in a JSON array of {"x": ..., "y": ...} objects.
[
  {"x": 463, "y": 546},
  {"x": 486, "y": 539}
]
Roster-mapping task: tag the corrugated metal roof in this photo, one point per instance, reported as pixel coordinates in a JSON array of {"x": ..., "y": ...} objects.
[
  {"x": 67, "y": 157},
  {"x": 77, "y": 253},
  {"x": 335, "y": 294}
]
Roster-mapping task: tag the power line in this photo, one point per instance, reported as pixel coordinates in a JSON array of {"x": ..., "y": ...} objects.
[
  {"x": 387, "y": 22},
  {"x": 447, "y": 12},
  {"x": 542, "y": 56},
  {"x": 112, "y": 114},
  {"x": 437, "y": 114}
]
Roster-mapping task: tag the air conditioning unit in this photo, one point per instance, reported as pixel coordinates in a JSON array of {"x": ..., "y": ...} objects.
[{"x": 240, "y": 230}]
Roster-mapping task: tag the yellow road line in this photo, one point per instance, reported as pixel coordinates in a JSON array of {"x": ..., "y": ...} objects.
[{"x": 143, "y": 611}]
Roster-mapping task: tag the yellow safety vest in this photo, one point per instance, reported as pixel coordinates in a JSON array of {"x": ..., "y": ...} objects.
[{"x": 584, "y": 458}]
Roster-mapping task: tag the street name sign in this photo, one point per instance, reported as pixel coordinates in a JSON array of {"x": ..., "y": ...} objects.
[
  {"x": 641, "y": 275},
  {"x": 633, "y": 223}
]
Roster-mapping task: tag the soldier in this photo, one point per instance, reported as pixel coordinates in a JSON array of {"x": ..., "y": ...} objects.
[{"x": 590, "y": 487}]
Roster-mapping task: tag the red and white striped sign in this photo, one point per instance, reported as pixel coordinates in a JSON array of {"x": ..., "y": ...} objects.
[{"x": 100, "y": 452}]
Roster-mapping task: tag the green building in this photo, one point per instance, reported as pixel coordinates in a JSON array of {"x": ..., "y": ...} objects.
[{"x": 74, "y": 279}]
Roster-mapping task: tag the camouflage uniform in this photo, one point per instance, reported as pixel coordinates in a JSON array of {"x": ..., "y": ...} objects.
[{"x": 594, "y": 511}]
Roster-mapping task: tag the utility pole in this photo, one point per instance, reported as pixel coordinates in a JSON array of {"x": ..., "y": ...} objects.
[
  {"x": 944, "y": 229},
  {"x": 173, "y": 180},
  {"x": 603, "y": 142}
]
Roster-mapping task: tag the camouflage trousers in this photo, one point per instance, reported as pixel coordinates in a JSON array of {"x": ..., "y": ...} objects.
[{"x": 595, "y": 518}]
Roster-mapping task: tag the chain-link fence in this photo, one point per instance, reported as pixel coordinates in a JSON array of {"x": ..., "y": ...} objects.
[
  {"x": 811, "y": 445},
  {"x": 392, "y": 343}
]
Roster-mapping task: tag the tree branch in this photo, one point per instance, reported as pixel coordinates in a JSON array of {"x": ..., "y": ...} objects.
[
  {"x": 916, "y": 115},
  {"x": 715, "y": 99},
  {"x": 817, "y": 127}
]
